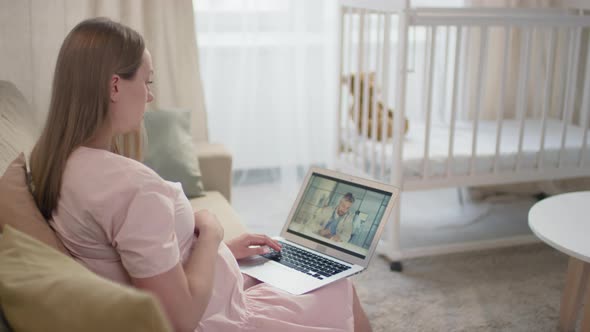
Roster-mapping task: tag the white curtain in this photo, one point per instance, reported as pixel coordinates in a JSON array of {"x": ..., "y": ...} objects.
[
  {"x": 270, "y": 80},
  {"x": 31, "y": 33}
]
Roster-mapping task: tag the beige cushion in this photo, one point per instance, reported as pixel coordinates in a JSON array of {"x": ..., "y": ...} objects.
[
  {"x": 170, "y": 149},
  {"x": 215, "y": 162},
  {"x": 18, "y": 208},
  {"x": 216, "y": 203},
  {"x": 43, "y": 290}
]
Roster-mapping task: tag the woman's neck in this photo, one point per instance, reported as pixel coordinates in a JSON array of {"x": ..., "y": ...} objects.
[{"x": 102, "y": 140}]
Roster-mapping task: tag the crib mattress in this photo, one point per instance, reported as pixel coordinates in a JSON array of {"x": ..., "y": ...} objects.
[{"x": 414, "y": 142}]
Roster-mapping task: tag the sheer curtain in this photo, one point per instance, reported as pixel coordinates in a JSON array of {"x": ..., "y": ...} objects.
[
  {"x": 270, "y": 80},
  {"x": 31, "y": 33}
]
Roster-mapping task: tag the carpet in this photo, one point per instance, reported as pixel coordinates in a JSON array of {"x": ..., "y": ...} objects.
[{"x": 510, "y": 289}]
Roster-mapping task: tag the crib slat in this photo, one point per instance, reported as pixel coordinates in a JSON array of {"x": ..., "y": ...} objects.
[
  {"x": 546, "y": 97},
  {"x": 400, "y": 102},
  {"x": 564, "y": 96},
  {"x": 465, "y": 101},
  {"x": 449, "y": 163},
  {"x": 585, "y": 109},
  {"x": 443, "y": 94},
  {"x": 425, "y": 72},
  {"x": 522, "y": 95},
  {"x": 348, "y": 133},
  {"x": 585, "y": 97},
  {"x": 539, "y": 69},
  {"x": 501, "y": 102},
  {"x": 386, "y": 61},
  {"x": 481, "y": 77},
  {"x": 428, "y": 105},
  {"x": 412, "y": 49},
  {"x": 570, "y": 93},
  {"x": 365, "y": 93},
  {"x": 341, "y": 59},
  {"x": 375, "y": 119},
  {"x": 357, "y": 87}
]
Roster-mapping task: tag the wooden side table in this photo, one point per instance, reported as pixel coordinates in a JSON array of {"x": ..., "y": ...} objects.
[{"x": 563, "y": 222}]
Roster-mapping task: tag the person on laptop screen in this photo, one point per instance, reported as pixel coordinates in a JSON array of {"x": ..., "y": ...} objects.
[
  {"x": 334, "y": 223},
  {"x": 338, "y": 214}
]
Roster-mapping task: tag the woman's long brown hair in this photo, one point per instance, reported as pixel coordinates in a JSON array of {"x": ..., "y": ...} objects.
[{"x": 91, "y": 53}]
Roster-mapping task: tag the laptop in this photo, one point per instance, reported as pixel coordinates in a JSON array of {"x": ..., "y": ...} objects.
[{"x": 331, "y": 233}]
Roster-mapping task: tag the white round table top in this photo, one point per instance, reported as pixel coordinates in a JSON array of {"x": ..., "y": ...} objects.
[{"x": 563, "y": 222}]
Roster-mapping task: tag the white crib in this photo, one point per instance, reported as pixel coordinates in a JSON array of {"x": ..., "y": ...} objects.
[{"x": 493, "y": 96}]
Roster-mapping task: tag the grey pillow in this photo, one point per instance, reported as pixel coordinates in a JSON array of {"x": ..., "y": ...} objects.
[{"x": 170, "y": 149}]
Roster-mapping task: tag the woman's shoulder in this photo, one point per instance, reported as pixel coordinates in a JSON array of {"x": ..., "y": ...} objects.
[{"x": 100, "y": 171}]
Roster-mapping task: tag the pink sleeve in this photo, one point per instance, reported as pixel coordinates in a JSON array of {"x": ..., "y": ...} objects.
[{"x": 146, "y": 239}]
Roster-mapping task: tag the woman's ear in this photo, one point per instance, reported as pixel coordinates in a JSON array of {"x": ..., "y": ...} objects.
[{"x": 115, "y": 88}]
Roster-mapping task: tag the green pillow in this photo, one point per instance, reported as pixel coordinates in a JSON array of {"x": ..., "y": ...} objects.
[
  {"x": 42, "y": 289},
  {"x": 170, "y": 149}
]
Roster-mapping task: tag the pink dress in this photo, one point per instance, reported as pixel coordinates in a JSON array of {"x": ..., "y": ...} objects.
[{"x": 120, "y": 219}]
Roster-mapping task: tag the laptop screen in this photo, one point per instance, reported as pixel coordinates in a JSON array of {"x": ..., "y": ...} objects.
[{"x": 339, "y": 214}]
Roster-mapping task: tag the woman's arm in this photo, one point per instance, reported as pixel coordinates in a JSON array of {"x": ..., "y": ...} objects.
[{"x": 185, "y": 291}]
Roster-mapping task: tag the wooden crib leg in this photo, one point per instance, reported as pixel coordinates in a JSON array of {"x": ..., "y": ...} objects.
[{"x": 396, "y": 266}]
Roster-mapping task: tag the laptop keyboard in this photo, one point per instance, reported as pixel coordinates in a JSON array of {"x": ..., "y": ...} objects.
[{"x": 305, "y": 261}]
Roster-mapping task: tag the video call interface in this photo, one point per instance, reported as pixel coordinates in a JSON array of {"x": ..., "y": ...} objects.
[{"x": 339, "y": 214}]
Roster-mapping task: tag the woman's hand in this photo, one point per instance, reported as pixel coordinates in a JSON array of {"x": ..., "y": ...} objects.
[
  {"x": 207, "y": 226},
  {"x": 247, "y": 245}
]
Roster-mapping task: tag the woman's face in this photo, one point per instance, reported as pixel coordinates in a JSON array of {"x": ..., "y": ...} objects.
[{"x": 130, "y": 97}]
